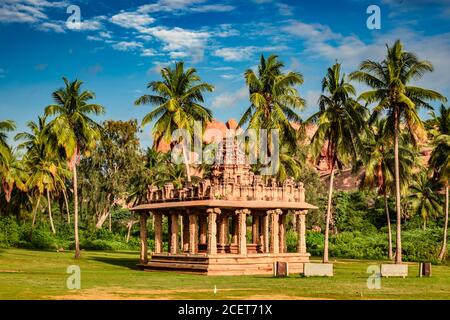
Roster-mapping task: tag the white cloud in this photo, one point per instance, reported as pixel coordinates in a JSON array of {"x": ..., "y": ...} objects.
[
  {"x": 127, "y": 45},
  {"x": 284, "y": 9},
  {"x": 90, "y": 25},
  {"x": 148, "y": 52},
  {"x": 132, "y": 20},
  {"x": 225, "y": 31},
  {"x": 26, "y": 11},
  {"x": 184, "y": 6},
  {"x": 235, "y": 54},
  {"x": 243, "y": 53},
  {"x": 322, "y": 43},
  {"x": 177, "y": 41},
  {"x": 105, "y": 34},
  {"x": 51, "y": 26},
  {"x": 223, "y": 68},
  {"x": 313, "y": 31},
  {"x": 229, "y": 99},
  {"x": 213, "y": 8},
  {"x": 94, "y": 38}
]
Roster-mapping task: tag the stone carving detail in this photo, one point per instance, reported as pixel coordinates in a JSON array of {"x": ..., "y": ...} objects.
[{"x": 231, "y": 179}]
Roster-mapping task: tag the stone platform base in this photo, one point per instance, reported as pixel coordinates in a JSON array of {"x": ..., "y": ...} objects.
[
  {"x": 318, "y": 270},
  {"x": 226, "y": 264},
  {"x": 394, "y": 270}
]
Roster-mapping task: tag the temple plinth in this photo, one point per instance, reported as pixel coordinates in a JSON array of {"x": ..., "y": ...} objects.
[{"x": 232, "y": 224}]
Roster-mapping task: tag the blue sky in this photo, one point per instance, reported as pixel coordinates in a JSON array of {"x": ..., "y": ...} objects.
[{"x": 121, "y": 46}]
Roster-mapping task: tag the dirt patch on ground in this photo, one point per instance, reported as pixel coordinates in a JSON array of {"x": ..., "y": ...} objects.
[
  {"x": 277, "y": 297},
  {"x": 118, "y": 293}
]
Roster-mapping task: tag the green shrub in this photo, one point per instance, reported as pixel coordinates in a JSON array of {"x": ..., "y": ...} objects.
[
  {"x": 314, "y": 243},
  {"x": 421, "y": 245},
  {"x": 417, "y": 245},
  {"x": 9, "y": 232},
  {"x": 291, "y": 241}
]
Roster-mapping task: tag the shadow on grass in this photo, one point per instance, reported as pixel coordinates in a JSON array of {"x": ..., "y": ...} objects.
[{"x": 130, "y": 263}]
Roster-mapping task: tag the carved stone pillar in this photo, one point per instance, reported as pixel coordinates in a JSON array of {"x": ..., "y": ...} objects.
[
  {"x": 143, "y": 235},
  {"x": 223, "y": 233},
  {"x": 185, "y": 221},
  {"x": 282, "y": 233},
  {"x": 255, "y": 229},
  {"x": 274, "y": 234},
  {"x": 301, "y": 230},
  {"x": 203, "y": 225},
  {"x": 212, "y": 232},
  {"x": 227, "y": 228},
  {"x": 173, "y": 233},
  {"x": 157, "y": 219},
  {"x": 266, "y": 232},
  {"x": 192, "y": 234},
  {"x": 234, "y": 239},
  {"x": 242, "y": 230}
]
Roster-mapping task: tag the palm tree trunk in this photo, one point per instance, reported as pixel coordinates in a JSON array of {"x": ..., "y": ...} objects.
[
  {"x": 35, "y": 211},
  {"x": 50, "y": 212},
  {"x": 186, "y": 162},
  {"x": 388, "y": 219},
  {"x": 444, "y": 242},
  {"x": 110, "y": 213},
  {"x": 75, "y": 213},
  {"x": 328, "y": 218},
  {"x": 67, "y": 206},
  {"x": 398, "y": 249},
  {"x": 34, "y": 216},
  {"x": 129, "y": 226}
]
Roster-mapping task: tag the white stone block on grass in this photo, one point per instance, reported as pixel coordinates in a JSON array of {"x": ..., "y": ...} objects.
[
  {"x": 318, "y": 270},
  {"x": 394, "y": 270}
]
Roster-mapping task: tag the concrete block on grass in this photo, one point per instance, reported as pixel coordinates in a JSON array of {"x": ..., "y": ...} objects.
[
  {"x": 318, "y": 270},
  {"x": 394, "y": 270}
]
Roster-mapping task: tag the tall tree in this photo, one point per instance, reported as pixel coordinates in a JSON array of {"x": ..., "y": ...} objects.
[
  {"x": 177, "y": 102},
  {"x": 392, "y": 93},
  {"x": 340, "y": 122},
  {"x": 45, "y": 171},
  {"x": 76, "y": 132},
  {"x": 109, "y": 169},
  {"x": 5, "y": 150},
  {"x": 440, "y": 162},
  {"x": 151, "y": 171},
  {"x": 424, "y": 198},
  {"x": 379, "y": 166},
  {"x": 274, "y": 99}
]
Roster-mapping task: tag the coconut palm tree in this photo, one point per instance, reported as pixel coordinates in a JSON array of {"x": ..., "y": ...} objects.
[
  {"x": 392, "y": 93},
  {"x": 45, "y": 170},
  {"x": 379, "y": 164},
  {"x": 177, "y": 104},
  {"x": 13, "y": 174},
  {"x": 440, "y": 162},
  {"x": 424, "y": 198},
  {"x": 340, "y": 122},
  {"x": 76, "y": 132},
  {"x": 274, "y": 99},
  {"x": 45, "y": 174},
  {"x": 12, "y": 171},
  {"x": 5, "y": 150}
]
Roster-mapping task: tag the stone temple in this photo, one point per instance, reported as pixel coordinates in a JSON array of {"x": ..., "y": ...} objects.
[{"x": 233, "y": 223}]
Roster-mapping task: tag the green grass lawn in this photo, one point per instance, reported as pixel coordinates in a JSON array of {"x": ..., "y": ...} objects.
[{"x": 27, "y": 274}]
